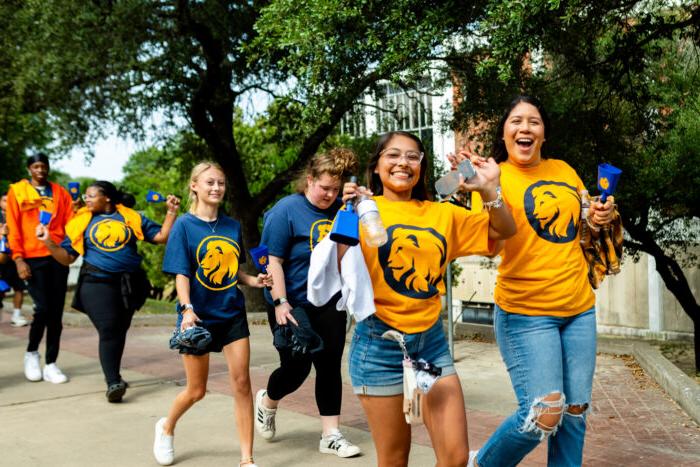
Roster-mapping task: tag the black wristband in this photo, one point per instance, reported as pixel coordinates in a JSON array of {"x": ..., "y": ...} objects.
[{"x": 279, "y": 301}]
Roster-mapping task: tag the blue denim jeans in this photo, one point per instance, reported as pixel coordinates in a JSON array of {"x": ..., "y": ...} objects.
[{"x": 544, "y": 355}]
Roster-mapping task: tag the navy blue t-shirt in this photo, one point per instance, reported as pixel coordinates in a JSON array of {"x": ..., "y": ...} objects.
[
  {"x": 110, "y": 244},
  {"x": 291, "y": 230},
  {"x": 209, "y": 254}
]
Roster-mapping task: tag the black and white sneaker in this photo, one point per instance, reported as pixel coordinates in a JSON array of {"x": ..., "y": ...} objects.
[
  {"x": 337, "y": 444},
  {"x": 264, "y": 417}
]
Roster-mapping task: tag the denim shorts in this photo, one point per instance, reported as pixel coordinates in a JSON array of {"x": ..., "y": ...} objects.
[
  {"x": 376, "y": 364},
  {"x": 222, "y": 334}
]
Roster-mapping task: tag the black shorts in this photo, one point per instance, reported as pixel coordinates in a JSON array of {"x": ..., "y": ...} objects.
[
  {"x": 8, "y": 273},
  {"x": 221, "y": 334}
]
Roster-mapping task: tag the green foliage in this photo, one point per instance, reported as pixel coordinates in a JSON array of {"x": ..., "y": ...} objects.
[
  {"x": 165, "y": 170},
  {"x": 619, "y": 80}
]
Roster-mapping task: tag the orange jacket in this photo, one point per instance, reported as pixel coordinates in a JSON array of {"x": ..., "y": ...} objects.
[{"x": 23, "y": 207}]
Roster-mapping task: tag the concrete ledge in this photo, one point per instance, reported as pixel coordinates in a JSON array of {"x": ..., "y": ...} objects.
[
  {"x": 474, "y": 331},
  {"x": 677, "y": 384}
]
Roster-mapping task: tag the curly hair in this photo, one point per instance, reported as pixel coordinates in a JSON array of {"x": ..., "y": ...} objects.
[{"x": 336, "y": 162}]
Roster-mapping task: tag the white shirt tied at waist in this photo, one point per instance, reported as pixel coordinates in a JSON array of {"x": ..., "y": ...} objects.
[{"x": 353, "y": 280}]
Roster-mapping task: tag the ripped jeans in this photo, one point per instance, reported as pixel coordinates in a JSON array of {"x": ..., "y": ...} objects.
[{"x": 551, "y": 363}]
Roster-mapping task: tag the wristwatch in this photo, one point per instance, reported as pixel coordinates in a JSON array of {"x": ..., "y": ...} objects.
[
  {"x": 183, "y": 307},
  {"x": 279, "y": 301}
]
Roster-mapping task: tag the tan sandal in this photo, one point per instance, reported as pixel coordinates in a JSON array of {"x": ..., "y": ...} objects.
[{"x": 247, "y": 461}]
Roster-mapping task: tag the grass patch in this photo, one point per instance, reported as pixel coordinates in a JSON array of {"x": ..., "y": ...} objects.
[{"x": 158, "y": 307}]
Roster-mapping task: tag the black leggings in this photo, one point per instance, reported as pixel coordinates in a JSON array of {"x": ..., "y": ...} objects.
[
  {"x": 47, "y": 287},
  {"x": 329, "y": 323},
  {"x": 102, "y": 301}
]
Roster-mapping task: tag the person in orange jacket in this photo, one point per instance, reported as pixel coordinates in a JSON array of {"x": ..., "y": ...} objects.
[{"x": 46, "y": 278}]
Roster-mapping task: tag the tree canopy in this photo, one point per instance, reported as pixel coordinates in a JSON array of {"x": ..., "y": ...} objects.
[
  {"x": 619, "y": 77},
  {"x": 620, "y": 81}
]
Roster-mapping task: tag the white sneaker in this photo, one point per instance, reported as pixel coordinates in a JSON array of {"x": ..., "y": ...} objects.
[
  {"x": 335, "y": 443},
  {"x": 163, "y": 446},
  {"x": 264, "y": 417},
  {"x": 32, "y": 367},
  {"x": 53, "y": 374},
  {"x": 472, "y": 458},
  {"x": 18, "y": 320}
]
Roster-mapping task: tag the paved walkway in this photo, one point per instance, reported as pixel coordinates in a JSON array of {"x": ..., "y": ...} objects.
[{"x": 633, "y": 421}]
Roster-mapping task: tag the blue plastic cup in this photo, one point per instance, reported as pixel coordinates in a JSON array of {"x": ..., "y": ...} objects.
[
  {"x": 608, "y": 176},
  {"x": 44, "y": 217},
  {"x": 74, "y": 190},
  {"x": 4, "y": 245},
  {"x": 260, "y": 257}
]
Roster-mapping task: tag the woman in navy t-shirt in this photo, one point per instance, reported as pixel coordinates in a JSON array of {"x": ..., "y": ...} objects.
[
  {"x": 204, "y": 253},
  {"x": 104, "y": 233},
  {"x": 291, "y": 230}
]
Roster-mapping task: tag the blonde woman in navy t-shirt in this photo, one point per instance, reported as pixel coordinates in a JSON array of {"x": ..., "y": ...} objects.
[{"x": 204, "y": 253}]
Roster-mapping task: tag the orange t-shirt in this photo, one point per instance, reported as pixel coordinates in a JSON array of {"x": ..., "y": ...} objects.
[
  {"x": 23, "y": 205},
  {"x": 543, "y": 271},
  {"x": 408, "y": 272}
]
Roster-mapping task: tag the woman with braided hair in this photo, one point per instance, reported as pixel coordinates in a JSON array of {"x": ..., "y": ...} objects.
[{"x": 105, "y": 233}]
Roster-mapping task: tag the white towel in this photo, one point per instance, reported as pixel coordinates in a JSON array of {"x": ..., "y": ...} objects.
[{"x": 353, "y": 280}]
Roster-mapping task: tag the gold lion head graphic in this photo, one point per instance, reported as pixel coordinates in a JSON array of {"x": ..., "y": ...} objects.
[
  {"x": 110, "y": 235},
  {"x": 46, "y": 204},
  {"x": 318, "y": 232},
  {"x": 553, "y": 210},
  {"x": 219, "y": 265},
  {"x": 413, "y": 260}
]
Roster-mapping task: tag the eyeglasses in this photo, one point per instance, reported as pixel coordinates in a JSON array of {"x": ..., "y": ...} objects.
[
  {"x": 86, "y": 197},
  {"x": 394, "y": 155}
]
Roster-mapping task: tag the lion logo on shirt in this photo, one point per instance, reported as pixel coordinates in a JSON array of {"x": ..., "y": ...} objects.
[
  {"x": 109, "y": 235},
  {"x": 553, "y": 209},
  {"x": 413, "y": 260},
  {"x": 318, "y": 232},
  {"x": 46, "y": 204},
  {"x": 218, "y": 262}
]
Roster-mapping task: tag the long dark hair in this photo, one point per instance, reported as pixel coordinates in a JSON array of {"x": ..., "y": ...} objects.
[
  {"x": 420, "y": 191},
  {"x": 498, "y": 150}
]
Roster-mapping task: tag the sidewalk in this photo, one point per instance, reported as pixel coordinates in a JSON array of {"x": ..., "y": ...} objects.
[{"x": 633, "y": 421}]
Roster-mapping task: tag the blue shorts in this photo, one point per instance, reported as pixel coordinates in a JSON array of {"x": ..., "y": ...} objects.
[
  {"x": 376, "y": 364},
  {"x": 222, "y": 334}
]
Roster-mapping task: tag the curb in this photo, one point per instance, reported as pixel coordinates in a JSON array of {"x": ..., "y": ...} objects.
[{"x": 677, "y": 384}]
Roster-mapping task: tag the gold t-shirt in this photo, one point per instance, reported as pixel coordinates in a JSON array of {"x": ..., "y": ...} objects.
[
  {"x": 543, "y": 271},
  {"x": 408, "y": 272}
]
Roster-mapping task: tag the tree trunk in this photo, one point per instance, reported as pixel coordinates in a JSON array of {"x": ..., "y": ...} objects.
[
  {"x": 672, "y": 275},
  {"x": 254, "y": 299}
]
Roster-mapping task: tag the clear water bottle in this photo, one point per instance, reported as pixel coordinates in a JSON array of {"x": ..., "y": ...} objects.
[
  {"x": 372, "y": 226},
  {"x": 585, "y": 206}
]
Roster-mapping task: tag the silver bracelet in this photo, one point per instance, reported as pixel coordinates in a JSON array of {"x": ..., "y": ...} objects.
[{"x": 496, "y": 203}]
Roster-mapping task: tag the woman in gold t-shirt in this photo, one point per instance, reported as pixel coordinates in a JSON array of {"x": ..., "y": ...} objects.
[
  {"x": 407, "y": 275},
  {"x": 545, "y": 316}
]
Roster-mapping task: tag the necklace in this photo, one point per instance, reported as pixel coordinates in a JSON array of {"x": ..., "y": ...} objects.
[
  {"x": 213, "y": 227},
  {"x": 211, "y": 224}
]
